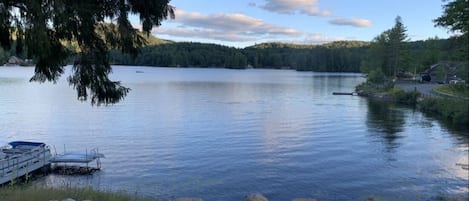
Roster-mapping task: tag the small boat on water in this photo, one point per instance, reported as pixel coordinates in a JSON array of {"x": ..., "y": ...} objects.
[{"x": 20, "y": 158}]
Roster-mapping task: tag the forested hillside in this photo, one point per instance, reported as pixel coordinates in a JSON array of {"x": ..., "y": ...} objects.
[
  {"x": 184, "y": 54},
  {"x": 343, "y": 56},
  {"x": 339, "y": 56}
]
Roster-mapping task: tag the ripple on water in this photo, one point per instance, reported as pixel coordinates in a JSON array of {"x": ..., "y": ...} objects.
[{"x": 221, "y": 135}]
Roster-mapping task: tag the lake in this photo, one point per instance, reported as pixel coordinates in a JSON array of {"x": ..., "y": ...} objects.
[{"x": 222, "y": 134}]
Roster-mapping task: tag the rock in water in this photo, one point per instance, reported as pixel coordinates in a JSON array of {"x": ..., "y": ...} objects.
[
  {"x": 189, "y": 199},
  {"x": 256, "y": 197}
]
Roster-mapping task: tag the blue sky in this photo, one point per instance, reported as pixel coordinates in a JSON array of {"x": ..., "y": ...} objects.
[{"x": 242, "y": 23}]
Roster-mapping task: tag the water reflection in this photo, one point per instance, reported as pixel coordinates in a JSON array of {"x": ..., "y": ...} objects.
[
  {"x": 460, "y": 133},
  {"x": 221, "y": 134},
  {"x": 386, "y": 122}
]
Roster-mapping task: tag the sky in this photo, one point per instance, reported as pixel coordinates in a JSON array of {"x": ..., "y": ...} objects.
[{"x": 241, "y": 23}]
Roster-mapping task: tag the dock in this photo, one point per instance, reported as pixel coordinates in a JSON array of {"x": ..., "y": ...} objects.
[
  {"x": 21, "y": 159},
  {"x": 345, "y": 93},
  {"x": 76, "y": 163}
]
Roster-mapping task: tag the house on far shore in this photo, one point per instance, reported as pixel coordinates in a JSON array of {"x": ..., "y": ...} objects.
[
  {"x": 443, "y": 72},
  {"x": 13, "y": 60},
  {"x": 16, "y": 61}
]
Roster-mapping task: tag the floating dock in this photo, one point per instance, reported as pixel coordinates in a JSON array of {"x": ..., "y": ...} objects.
[
  {"x": 345, "y": 93},
  {"x": 73, "y": 163}
]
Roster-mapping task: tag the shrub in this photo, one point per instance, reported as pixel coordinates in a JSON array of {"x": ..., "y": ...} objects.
[
  {"x": 458, "y": 89},
  {"x": 376, "y": 77},
  {"x": 408, "y": 98},
  {"x": 455, "y": 111}
]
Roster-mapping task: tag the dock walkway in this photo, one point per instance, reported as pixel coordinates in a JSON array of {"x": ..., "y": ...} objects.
[
  {"x": 19, "y": 159},
  {"x": 69, "y": 162}
]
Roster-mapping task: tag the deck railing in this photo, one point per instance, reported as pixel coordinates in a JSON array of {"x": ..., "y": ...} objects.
[{"x": 22, "y": 159}]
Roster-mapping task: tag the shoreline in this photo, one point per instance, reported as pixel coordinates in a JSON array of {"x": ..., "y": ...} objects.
[
  {"x": 449, "y": 108},
  {"x": 67, "y": 193}
]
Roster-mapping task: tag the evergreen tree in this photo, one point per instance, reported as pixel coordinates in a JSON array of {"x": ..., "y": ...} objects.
[
  {"x": 397, "y": 36},
  {"x": 386, "y": 51},
  {"x": 455, "y": 17},
  {"x": 46, "y": 26}
]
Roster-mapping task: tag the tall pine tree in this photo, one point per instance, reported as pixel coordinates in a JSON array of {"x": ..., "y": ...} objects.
[
  {"x": 396, "y": 36},
  {"x": 386, "y": 51}
]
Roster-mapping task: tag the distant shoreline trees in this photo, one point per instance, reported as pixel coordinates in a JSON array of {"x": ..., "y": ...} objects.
[{"x": 340, "y": 56}]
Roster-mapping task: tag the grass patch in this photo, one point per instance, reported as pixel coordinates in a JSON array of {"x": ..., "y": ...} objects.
[
  {"x": 370, "y": 89},
  {"x": 457, "y": 90},
  {"x": 34, "y": 193}
]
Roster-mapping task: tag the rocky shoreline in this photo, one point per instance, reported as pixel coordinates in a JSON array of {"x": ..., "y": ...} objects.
[{"x": 252, "y": 197}]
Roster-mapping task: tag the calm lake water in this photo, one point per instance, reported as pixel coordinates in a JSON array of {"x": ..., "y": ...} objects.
[{"x": 222, "y": 134}]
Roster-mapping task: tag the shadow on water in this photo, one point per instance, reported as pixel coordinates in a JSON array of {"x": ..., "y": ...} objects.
[
  {"x": 385, "y": 121},
  {"x": 459, "y": 132}
]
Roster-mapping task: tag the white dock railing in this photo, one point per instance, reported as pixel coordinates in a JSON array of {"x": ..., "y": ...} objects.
[
  {"x": 19, "y": 162},
  {"x": 78, "y": 158}
]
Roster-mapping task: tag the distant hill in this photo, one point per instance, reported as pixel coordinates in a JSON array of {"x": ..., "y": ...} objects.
[
  {"x": 152, "y": 40},
  {"x": 334, "y": 44},
  {"x": 337, "y": 56},
  {"x": 340, "y": 56}
]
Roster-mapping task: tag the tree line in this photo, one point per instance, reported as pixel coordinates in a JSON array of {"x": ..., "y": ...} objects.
[
  {"x": 343, "y": 56},
  {"x": 339, "y": 56}
]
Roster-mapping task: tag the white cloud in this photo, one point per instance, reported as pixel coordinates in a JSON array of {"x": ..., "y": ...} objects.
[
  {"x": 225, "y": 27},
  {"x": 308, "y": 7},
  {"x": 355, "y": 22},
  {"x": 205, "y": 34}
]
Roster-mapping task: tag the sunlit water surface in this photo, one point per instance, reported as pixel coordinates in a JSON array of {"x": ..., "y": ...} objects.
[{"x": 222, "y": 134}]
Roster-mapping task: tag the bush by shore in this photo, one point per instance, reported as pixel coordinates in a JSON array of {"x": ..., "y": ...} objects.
[{"x": 451, "y": 109}]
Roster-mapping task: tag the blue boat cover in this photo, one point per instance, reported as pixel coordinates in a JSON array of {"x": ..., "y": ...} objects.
[{"x": 14, "y": 144}]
